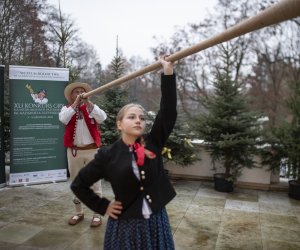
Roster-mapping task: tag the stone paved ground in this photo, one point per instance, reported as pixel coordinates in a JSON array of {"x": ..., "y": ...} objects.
[{"x": 35, "y": 217}]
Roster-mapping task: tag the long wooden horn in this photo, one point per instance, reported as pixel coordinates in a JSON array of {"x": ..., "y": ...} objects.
[{"x": 279, "y": 12}]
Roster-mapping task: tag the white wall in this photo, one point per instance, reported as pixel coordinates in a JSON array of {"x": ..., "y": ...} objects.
[{"x": 202, "y": 169}]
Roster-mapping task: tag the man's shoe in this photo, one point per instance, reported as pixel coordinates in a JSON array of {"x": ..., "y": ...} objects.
[
  {"x": 76, "y": 219},
  {"x": 96, "y": 221}
]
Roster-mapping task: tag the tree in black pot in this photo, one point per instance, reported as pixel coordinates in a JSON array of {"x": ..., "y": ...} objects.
[
  {"x": 283, "y": 148},
  {"x": 229, "y": 129}
]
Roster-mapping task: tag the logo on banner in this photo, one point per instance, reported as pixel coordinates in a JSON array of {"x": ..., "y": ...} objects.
[{"x": 39, "y": 96}]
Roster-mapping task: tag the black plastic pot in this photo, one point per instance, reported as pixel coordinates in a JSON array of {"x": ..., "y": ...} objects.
[
  {"x": 294, "y": 189},
  {"x": 221, "y": 184}
]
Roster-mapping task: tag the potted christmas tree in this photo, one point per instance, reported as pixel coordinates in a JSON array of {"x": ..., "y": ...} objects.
[
  {"x": 229, "y": 129},
  {"x": 284, "y": 144}
]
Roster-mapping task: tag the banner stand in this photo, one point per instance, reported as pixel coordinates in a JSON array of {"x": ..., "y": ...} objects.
[{"x": 37, "y": 152}]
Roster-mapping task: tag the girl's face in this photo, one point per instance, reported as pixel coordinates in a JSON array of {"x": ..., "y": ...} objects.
[{"x": 132, "y": 126}]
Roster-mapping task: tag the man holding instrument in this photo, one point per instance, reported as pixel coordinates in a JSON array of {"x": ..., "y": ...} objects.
[{"x": 82, "y": 138}]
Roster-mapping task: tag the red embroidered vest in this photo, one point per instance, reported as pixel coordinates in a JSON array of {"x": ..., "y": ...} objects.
[{"x": 91, "y": 124}]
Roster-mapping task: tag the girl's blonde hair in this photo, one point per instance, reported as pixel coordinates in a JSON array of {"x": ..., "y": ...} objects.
[{"x": 123, "y": 110}]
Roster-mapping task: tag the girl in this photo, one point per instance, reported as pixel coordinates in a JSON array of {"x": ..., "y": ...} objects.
[{"x": 134, "y": 167}]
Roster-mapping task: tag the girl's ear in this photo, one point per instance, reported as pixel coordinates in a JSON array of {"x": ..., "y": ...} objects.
[{"x": 119, "y": 125}]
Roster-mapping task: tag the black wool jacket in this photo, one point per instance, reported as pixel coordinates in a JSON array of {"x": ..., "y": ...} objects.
[{"x": 114, "y": 164}]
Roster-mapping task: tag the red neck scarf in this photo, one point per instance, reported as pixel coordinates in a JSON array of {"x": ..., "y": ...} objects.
[{"x": 140, "y": 153}]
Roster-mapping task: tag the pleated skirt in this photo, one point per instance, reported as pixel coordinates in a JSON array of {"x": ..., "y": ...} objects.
[{"x": 139, "y": 234}]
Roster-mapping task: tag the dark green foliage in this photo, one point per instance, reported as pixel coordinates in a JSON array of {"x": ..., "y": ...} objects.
[
  {"x": 183, "y": 152},
  {"x": 283, "y": 143},
  {"x": 114, "y": 99},
  {"x": 229, "y": 129},
  {"x": 179, "y": 148}
]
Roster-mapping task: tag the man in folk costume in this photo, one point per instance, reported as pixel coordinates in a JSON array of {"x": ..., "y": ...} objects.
[{"x": 82, "y": 139}]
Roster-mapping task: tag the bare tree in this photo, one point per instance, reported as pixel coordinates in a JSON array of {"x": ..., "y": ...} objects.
[
  {"x": 62, "y": 34},
  {"x": 22, "y": 37},
  {"x": 68, "y": 50},
  {"x": 277, "y": 53},
  {"x": 195, "y": 73}
]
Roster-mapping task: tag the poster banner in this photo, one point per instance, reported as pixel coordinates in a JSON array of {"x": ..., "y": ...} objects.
[
  {"x": 37, "y": 151},
  {"x": 2, "y": 153}
]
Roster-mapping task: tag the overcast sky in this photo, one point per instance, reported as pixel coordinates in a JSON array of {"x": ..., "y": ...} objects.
[{"x": 135, "y": 22}]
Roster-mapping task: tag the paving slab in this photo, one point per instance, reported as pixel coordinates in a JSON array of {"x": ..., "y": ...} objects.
[{"x": 36, "y": 217}]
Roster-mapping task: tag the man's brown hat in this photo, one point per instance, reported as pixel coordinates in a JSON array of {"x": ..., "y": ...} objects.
[{"x": 74, "y": 85}]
